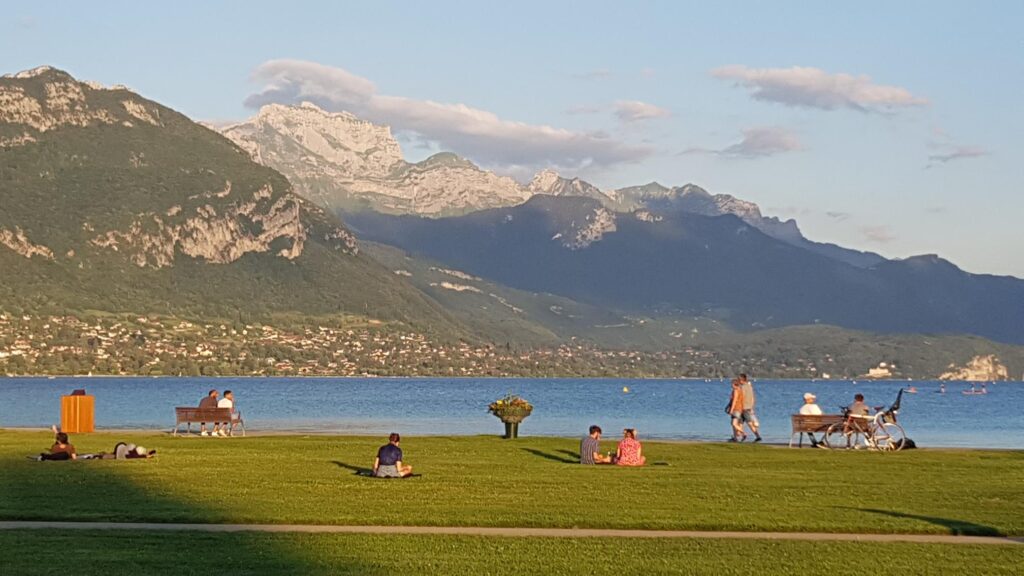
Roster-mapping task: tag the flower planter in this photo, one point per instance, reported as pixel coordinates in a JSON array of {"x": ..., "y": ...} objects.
[{"x": 511, "y": 410}]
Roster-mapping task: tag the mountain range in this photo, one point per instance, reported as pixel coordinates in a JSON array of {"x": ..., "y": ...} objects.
[
  {"x": 115, "y": 203},
  {"x": 641, "y": 249}
]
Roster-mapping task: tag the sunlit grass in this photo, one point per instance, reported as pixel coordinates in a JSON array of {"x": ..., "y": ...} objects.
[{"x": 486, "y": 481}]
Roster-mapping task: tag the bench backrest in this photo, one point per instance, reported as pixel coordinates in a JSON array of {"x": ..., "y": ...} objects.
[
  {"x": 814, "y": 423},
  {"x": 193, "y": 414}
]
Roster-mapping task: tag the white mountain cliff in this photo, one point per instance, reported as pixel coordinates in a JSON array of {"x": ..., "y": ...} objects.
[{"x": 346, "y": 163}]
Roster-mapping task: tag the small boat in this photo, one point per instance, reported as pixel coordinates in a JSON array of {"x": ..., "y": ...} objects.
[
  {"x": 974, "y": 391},
  {"x": 911, "y": 390}
]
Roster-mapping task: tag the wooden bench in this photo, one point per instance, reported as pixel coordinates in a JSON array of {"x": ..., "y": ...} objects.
[
  {"x": 808, "y": 424},
  {"x": 190, "y": 414}
]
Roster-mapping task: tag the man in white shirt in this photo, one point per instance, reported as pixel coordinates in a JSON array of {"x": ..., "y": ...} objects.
[
  {"x": 811, "y": 408},
  {"x": 227, "y": 401}
]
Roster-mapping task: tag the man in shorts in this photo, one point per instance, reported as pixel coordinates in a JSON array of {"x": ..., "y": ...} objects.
[
  {"x": 388, "y": 463},
  {"x": 747, "y": 416}
]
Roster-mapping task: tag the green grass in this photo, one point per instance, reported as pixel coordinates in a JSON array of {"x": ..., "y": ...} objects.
[
  {"x": 180, "y": 553},
  {"x": 485, "y": 481}
]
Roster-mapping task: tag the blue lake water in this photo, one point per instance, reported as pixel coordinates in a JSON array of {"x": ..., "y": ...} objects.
[{"x": 667, "y": 409}]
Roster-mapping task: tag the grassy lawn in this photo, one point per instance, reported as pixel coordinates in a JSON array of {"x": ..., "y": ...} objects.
[
  {"x": 179, "y": 553},
  {"x": 485, "y": 481}
]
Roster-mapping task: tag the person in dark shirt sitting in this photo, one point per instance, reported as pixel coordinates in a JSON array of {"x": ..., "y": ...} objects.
[
  {"x": 62, "y": 448},
  {"x": 210, "y": 402},
  {"x": 388, "y": 463}
]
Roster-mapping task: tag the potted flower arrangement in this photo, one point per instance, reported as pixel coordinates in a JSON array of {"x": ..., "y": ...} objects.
[{"x": 511, "y": 410}]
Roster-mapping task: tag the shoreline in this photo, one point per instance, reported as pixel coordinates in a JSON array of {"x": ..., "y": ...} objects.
[
  {"x": 402, "y": 377},
  {"x": 286, "y": 433}
]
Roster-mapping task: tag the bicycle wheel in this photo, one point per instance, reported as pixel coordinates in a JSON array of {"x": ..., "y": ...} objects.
[
  {"x": 889, "y": 437},
  {"x": 835, "y": 439}
]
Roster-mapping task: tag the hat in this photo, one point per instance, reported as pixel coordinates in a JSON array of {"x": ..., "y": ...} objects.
[{"x": 809, "y": 396}]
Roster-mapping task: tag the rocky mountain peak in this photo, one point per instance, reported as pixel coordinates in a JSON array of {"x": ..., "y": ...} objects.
[
  {"x": 545, "y": 181},
  {"x": 154, "y": 203}
]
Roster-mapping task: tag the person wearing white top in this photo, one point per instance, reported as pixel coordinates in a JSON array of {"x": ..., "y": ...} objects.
[
  {"x": 810, "y": 408},
  {"x": 227, "y": 401}
]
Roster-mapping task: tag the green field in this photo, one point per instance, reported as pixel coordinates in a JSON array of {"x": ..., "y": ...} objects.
[{"x": 530, "y": 482}]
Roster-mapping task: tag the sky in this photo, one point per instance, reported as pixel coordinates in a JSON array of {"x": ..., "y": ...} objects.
[{"x": 895, "y": 127}]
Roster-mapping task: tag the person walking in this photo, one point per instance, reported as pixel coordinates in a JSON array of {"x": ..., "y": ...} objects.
[
  {"x": 748, "y": 416},
  {"x": 735, "y": 411}
]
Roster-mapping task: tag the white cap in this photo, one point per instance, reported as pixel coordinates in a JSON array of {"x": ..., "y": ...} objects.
[{"x": 809, "y": 396}]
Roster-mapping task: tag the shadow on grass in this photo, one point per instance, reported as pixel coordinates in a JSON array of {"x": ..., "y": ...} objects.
[
  {"x": 955, "y": 527},
  {"x": 357, "y": 470},
  {"x": 97, "y": 491},
  {"x": 553, "y": 457}
]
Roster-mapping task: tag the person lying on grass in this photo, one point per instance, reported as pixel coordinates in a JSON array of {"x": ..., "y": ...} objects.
[
  {"x": 630, "y": 452},
  {"x": 388, "y": 463},
  {"x": 122, "y": 451},
  {"x": 62, "y": 448}
]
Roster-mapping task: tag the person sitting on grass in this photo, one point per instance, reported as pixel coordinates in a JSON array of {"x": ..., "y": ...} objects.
[
  {"x": 388, "y": 463},
  {"x": 590, "y": 448},
  {"x": 630, "y": 452},
  {"x": 811, "y": 408},
  {"x": 62, "y": 448}
]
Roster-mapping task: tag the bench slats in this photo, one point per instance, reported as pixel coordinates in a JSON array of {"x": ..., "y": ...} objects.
[{"x": 807, "y": 424}]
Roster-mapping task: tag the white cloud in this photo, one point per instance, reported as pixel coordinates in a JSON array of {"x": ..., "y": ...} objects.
[
  {"x": 880, "y": 234},
  {"x": 756, "y": 143},
  {"x": 634, "y": 111},
  {"x": 837, "y": 215},
  {"x": 477, "y": 134},
  {"x": 951, "y": 153},
  {"x": 815, "y": 88}
]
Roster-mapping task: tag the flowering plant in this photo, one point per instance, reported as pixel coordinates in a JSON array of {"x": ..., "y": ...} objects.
[{"x": 510, "y": 408}]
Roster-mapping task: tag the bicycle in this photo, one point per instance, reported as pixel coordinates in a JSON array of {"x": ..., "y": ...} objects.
[{"x": 880, "y": 432}]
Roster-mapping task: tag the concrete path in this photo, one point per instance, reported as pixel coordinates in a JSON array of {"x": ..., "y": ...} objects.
[{"x": 513, "y": 532}]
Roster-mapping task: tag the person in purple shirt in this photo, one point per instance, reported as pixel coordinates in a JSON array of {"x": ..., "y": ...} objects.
[{"x": 388, "y": 463}]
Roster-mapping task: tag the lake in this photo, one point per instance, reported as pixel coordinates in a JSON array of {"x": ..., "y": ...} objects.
[{"x": 664, "y": 409}]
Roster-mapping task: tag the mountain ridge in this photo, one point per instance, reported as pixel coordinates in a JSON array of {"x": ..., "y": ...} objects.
[
  {"x": 115, "y": 202},
  {"x": 297, "y": 140}
]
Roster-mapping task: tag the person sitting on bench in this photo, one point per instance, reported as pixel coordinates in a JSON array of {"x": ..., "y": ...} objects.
[
  {"x": 210, "y": 401},
  {"x": 811, "y": 408},
  {"x": 388, "y": 463}
]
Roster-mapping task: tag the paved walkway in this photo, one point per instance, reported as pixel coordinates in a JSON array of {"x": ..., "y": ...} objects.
[{"x": 514, "y": 532}]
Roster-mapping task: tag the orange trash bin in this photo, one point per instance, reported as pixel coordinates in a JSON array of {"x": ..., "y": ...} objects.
[{"x": 77, "y": 414}]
